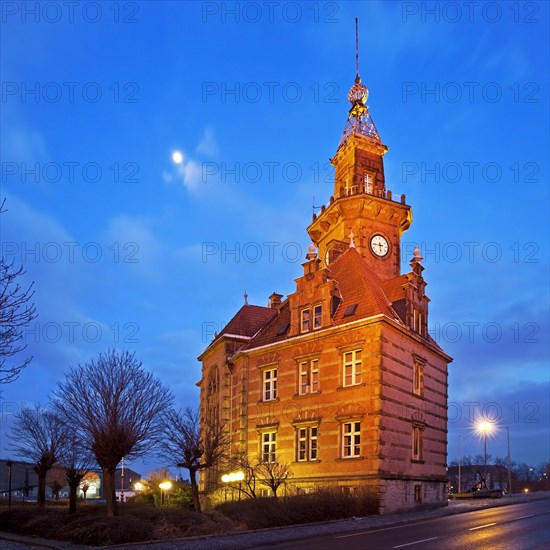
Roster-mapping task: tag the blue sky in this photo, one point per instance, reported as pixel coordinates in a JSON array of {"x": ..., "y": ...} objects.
[{"x": 128, "y": 249}]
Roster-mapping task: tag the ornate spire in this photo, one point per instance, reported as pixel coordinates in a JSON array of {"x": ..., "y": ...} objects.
[{"x": 359, "y": 119}]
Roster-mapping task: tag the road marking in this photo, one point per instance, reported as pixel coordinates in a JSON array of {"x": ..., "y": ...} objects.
[
  {"x": 525, "y": 517},
  {"x": 385, "y": 529},
  {"x": 482, "y": 526},
  {"x": 415, "y": 542}
]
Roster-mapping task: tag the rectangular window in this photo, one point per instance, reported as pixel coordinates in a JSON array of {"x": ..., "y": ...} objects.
[
  {"x": 419, "y": 324},
  {"x": 269, "y": 446},
  {"x": 307, "y": 444},
  {"x": 352, "y": 367},
  {"x": 309, "y": 377},
  {"x": 369, "y": 183},
  {"x": 418, "y": 378},
  {"x": 417, "y": 442},
  {"x": 269, "y": 385},
  {"x": 351, "y": 439},
  {"x": 317, "y": 316},
  {"x": 305, "y": 320},
  {"x": 418, "y": 493}
]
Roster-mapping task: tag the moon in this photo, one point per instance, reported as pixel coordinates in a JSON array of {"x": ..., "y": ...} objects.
[{"x": 177, "y": 157}]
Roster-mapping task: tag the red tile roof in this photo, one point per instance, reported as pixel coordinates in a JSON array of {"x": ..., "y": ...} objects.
[
  {"x": 393, "y": 288},
  {"x": 359, "y": 285},
  {"x": 248, "y": 320},
  {"x": 274, "y": 329}
]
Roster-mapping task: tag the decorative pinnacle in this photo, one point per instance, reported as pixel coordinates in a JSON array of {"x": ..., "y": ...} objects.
[
  {"x": 416, "y": 256},
  {"x": 351, "y": 241},
  {"x": 245, "y": 295},
  {"x": 311, "y": 254}
]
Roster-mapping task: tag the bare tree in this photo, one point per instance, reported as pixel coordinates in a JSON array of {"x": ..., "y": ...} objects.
[
  {"x": 115, "y": 408},
  {"x": 16, "y": 312},
  {"x": 250, "y": 470},
  {"x": 273, "y": 474},
  {"x": 188, "y": 444},
  {"x": 76, "y": 461},
  {"x": 39, "y": 434}
]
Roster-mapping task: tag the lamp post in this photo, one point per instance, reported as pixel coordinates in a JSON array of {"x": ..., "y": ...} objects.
[
  {"x": 9, "y": 464},
  {"x": 122, "y": 482},
  {"x": 164, "y": 487}
]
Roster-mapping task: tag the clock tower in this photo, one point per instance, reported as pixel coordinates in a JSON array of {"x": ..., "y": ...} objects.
[{"x": 361, "y": 209}]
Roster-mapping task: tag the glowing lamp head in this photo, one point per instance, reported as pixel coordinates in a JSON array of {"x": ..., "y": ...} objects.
[
  {"x": 484, "y": 427},
  {"x": 165, "y": 485}
]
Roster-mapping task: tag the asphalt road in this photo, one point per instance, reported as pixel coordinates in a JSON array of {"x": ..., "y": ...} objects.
[{"x": 523, "y": 526}]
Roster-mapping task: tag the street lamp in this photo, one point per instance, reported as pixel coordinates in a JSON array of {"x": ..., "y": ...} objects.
[
  {"x": 164, "y": 486},
  {"x": 484, "y": 428},
  {"x": 232, "y": 478}
]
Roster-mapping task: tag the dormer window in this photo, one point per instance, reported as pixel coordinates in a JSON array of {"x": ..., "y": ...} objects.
[
  {"x": 368, "y": 180},
  {"x": 311, "y": 318}
]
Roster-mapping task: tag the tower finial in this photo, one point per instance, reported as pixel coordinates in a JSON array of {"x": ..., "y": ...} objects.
[
  {"x": 245, "y": 296},
  {"x": 357, "y": 46},
  {"x": 359, "y": 119}
]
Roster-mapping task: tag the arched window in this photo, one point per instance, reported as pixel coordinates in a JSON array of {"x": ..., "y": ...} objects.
[{"x": 213, "y": 381}]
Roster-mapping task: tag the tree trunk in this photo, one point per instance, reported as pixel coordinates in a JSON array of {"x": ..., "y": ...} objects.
[
  {"x": 109, "y": 491},
  {"x": 41, "y": 497},
  {"x": 195, "y": 490},
  {"x": 72, "y": 497}
]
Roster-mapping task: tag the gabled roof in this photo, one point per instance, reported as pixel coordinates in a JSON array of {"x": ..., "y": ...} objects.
[
  {"x": 275, "y": 329},
  {"x": 357, "y": 284},
  {"x": 248, "y": 321}
]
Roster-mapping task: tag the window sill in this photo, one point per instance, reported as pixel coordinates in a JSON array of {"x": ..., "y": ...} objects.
[
  {"x": 417, "y": 461},
  {"x": 346, "y": 458},
  {"x": 340, "y": 388},
  {"x": 262, "y": 401},
  {"x": 300, "y": 395}
]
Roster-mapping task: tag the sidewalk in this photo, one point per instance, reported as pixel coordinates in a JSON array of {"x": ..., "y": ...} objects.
[{"x": 251, "y": 539}]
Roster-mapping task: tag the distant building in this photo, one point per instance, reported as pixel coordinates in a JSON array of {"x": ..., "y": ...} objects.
[
  {"x": 24, "y": 481},
  {"x": 341, "y": 379}
]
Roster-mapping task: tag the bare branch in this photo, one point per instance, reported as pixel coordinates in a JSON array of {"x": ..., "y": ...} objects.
[{"x": 16, "y": 312}]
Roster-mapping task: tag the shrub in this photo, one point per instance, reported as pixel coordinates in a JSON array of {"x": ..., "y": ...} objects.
[{"x": 322, "y": 505}]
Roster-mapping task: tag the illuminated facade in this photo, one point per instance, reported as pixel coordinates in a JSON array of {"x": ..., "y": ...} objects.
[{"x": 340, "y": 380}]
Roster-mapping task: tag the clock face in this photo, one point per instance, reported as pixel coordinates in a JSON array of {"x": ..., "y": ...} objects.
[{"x": 379, "y": 245}]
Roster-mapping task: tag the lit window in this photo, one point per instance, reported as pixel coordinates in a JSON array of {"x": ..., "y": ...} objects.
[
  {"x": 317, "y": 316},
  {"x": 305, "y": 321},
  {"x": 369, "y": 183},
  {"x": 418, "y": 433},
  {"x": 307, "y": 444},
  {"x": 269, "y": 446},
  {"x": 351, "y": 439},
  {"x": 269, "y": 384},
  {"x": 309, "y": 377},
  {"x": 352, "y": 367},
  {"x": 418, "y": 378}
]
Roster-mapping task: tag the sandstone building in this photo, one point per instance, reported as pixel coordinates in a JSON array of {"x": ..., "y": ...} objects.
[{"x": 340, "y": 380}]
